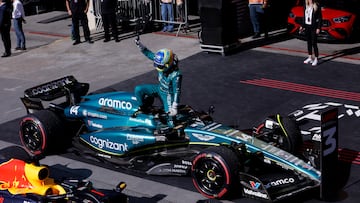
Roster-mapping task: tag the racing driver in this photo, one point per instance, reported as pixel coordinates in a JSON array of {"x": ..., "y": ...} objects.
[{"x": 169, "y": 77}]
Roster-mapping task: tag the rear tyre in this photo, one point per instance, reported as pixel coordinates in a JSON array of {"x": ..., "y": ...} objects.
[
  {"x": 215, "y": 172},
  {"x": 42, "y": 132}
]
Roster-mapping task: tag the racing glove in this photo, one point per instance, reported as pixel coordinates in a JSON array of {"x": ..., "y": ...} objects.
[
  {"x": 139, "y": 44},
  {"x": 173, "y": 109}
]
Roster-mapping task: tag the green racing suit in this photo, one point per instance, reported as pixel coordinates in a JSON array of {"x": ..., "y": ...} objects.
[{"x": 168, "y": 89}]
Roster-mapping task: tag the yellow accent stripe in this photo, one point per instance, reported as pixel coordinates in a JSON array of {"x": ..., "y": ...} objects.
[
  {"x": 166, "y": 56},
  {"x": 281, "y": 125}
]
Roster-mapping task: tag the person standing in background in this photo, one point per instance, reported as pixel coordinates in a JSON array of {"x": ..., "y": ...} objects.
[
  {"x": 311, "y": 25},
  {"x": 167, "y": 14},
  {"x": 5, "y": 25},
  {"x": 18, "y": 16},
  {"x": 78, "y": 9},
  {"x": 256, "y": 8},
  {"x": 108, "y": 16},
  {"x": 180, "y": 9}
]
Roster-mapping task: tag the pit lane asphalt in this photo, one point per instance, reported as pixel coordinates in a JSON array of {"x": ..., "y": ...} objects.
[{"x": 50, "y": 55}]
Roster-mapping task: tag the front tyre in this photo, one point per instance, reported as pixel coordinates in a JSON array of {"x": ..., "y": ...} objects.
[
  {"x": 215, "y": 172},
  {"x": 284, "y": 132},
  {"x": 40, "y": 132},
  {"x": 291, "y": 134}
]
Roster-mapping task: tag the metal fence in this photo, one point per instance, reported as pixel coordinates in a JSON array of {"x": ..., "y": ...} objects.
[{"x": 144, "y": 10}]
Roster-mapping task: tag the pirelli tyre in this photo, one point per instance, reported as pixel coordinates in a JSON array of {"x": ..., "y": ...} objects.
[
  {"x": 291, "y": 132},
  {"x": 42, "y": 132},
  {"x": 215, "y": 172},
  {"x": 284, "y": 132}
]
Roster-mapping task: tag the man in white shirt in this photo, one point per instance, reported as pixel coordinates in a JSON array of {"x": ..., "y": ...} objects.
[{"x": 18, "y": 16}]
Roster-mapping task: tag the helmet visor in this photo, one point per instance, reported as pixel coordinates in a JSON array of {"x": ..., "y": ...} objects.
[{"x": 159, "y": 67}]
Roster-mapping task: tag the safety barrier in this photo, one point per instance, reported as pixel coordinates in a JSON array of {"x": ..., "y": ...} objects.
[
  {"x": 148, "y": 10},
  {"x": 97, "y": 14},
  {"x": 178, "y": 19}
]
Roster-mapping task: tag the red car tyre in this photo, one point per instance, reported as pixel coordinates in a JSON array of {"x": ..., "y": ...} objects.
[
  {"x": 41, "y": 132},
  {"x": 215, "y": 172}
]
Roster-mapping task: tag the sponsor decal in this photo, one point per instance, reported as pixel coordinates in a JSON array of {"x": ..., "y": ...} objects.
[
  {"x": 50, "y": 86},
  {"x": 160, "y": 138},
  {"x": 203, "y": 137},
  {"x": 317, "y": 136},
  {"x": 95, "y": 125},
  {"x": 255, "y": 193},
  {"x": 94, "y": 114},
  {"x": 134, "y": 139},
  {"x": 181, "y": 171},
  {"x": 175, "y": 170},
  {"x": 74, "y": 110},
  {"x": 283, "y": 181},
  {"x": 104, "y": 155},
  {"x": 139, "y": 120},
  {"x": 181, "y": 166},
  {"x": 243, "y": 136},
  {"x": 254, "y": 184},
  {"x": 186, "y": 162},
  {"x": 108, "y": 144},
  {"x": 114, "y": 103}
]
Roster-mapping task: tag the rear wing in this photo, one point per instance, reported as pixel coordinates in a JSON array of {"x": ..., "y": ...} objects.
[
  {"x": 67, "y": 87},
  {"x": 329, "y": 155}
]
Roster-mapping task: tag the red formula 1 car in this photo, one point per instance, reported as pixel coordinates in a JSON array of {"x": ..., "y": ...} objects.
[
  {"x": 339, "y": 23},
  {"x": 23, "y": 179}
]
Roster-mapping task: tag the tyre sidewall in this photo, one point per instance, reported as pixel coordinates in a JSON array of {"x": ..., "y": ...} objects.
[
  {"x": 229, "y": 163},
  {"x": 51, "y": 128}
]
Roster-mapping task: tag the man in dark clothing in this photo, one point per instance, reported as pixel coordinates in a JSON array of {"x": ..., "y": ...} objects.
[
  {"x": 108, "y": 16},
  {"x": 78, "y": 10},
  {"x": 5, "y": 25}
]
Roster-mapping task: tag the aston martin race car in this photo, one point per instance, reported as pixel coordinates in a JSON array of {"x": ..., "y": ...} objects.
[
  {"x": 261, "y": 162},
  {"x": 23, "y": 179}
]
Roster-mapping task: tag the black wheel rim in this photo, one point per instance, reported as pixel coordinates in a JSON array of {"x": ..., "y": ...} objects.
[
  {"x": 31, "y": 136},
  {"x": 210, "y": 176}
]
